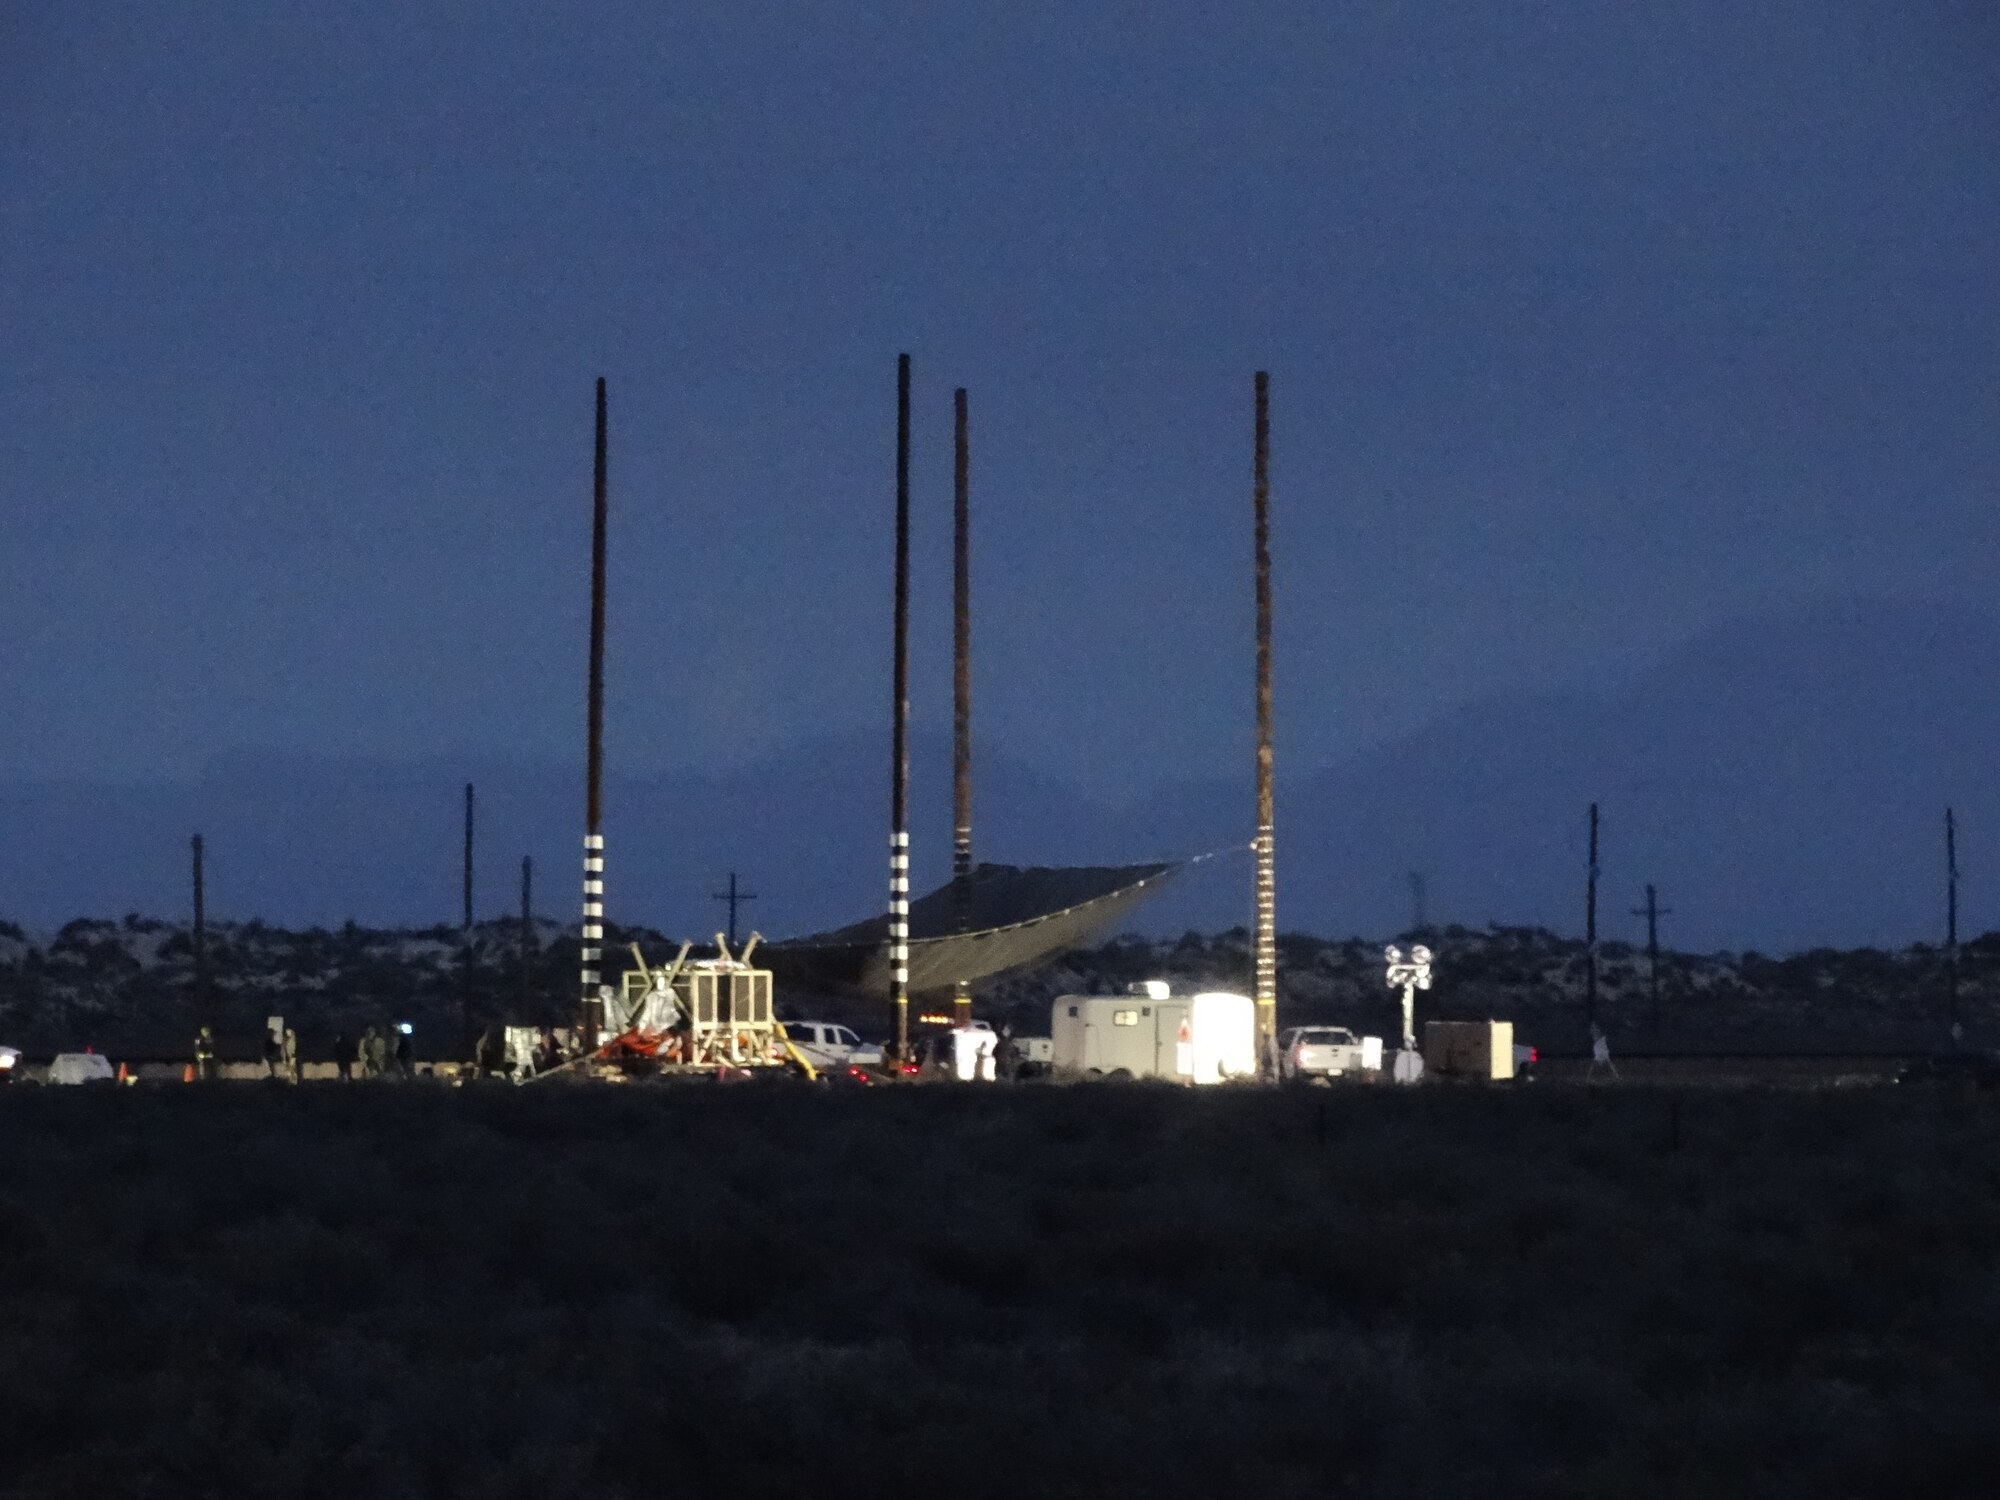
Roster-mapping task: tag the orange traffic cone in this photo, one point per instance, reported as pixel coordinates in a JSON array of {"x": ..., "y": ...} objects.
[
  {"x": 188, "y": 1076},
  {"x": 122, "y": 1076}
]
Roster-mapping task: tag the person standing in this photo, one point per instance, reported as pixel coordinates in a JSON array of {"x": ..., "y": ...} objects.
[
  {"x": 204, "y": 1054},
  {"x": 1600, "y": 1054},
  {"x": 345, "y": 1053},
  {"x": 402, "y": 1047},
  {"x": 371, "y": 1053},
  {"x": 1007, "y": 1055},
  {"x": 289, "y": 1051}
]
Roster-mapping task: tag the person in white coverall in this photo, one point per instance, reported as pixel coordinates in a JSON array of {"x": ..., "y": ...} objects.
[{"x": 972, "y": 1054}]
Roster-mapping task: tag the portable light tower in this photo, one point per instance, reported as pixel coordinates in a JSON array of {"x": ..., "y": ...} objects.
[{"x": 1409, "y": 975}]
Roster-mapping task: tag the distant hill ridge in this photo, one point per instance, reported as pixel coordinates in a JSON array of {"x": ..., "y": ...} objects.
[
  {"x": 130, "y": 985},
  {"x": 1782, "y": 780}
]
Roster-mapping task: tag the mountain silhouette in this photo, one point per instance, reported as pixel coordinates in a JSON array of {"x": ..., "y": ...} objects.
[{"x": 1782, "y": 780}]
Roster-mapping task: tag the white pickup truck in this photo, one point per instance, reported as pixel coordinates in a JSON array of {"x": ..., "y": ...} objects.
[{"x": 1327, "y": 1052}]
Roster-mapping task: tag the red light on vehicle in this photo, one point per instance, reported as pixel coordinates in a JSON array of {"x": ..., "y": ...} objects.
[{"x": 1534, "y": 1054}]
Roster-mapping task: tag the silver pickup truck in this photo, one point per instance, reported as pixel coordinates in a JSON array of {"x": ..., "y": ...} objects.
[{"x": 829, "y": 1046}]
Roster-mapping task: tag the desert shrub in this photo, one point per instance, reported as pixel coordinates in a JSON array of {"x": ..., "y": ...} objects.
[{"x": 1053, "y": 1291}]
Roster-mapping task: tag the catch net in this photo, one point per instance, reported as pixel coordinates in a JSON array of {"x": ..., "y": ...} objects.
[{"x": 1014, "y": 917}]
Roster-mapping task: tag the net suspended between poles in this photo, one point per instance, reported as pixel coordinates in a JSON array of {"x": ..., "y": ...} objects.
[{"x": 1017, "y": 917}]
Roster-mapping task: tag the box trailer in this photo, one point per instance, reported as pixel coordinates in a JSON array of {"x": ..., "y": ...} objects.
[
  {"x": 1152, "y": 1033},
  {"x": 1470, "y": 1049}
]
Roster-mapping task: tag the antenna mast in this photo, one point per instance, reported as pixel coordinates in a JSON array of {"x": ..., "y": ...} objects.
[
  {"x": 899, "y": 771},
  {"x": 1267, "y": 920},
  {"x": 592, "y": 931},
  {"x": 961, "y": 718}
]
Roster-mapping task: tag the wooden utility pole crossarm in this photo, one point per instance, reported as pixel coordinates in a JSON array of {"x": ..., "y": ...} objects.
[
  {"x": 734, "y": 898},
  {"x": 466, "y": 869},
  {"x": 1652, "y": 911},
  {"x": 199, "y": 940},
  {"x": 1590, "y": 927},
  {"x": 1951, "y": 922}
]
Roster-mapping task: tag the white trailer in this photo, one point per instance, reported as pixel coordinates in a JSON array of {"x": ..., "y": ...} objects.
[
  {"x": 1469, "y": 1049},
  {"x": 1152, "y": 1033}
]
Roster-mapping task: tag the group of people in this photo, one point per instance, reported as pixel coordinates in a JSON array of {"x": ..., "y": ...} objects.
[
  {"x": 379, "y": 1052},
  {"x": 491, "y": 1059},
  {"x": 973, "y": 1055}
]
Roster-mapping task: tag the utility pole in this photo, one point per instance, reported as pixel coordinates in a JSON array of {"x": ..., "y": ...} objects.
[
  {"x": 1266, "y": 959},
  {"x": 735, "y": 898},
  {"x": 592, "y": 931},
  {"x": 527, "y": 928},
  {"x": 200, "y": 935},
  {"x": 1652, "y": 911},
  {"x": 961, "y": 717},
  {"x": 899, "y": 752},
  {"x": 1418, "y": 916},
  {"x": 1951, "y": 922},
  {"x": 468, "y": 857},
  {"x": 465, "y": 934},
  {"x": 1590, "y": 927}
]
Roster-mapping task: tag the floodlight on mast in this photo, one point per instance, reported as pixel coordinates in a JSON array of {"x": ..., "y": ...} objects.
[{"x": 1409, "y": 975}]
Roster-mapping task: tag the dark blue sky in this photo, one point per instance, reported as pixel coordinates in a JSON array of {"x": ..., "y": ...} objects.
[{"x": 1590, "y": 326}]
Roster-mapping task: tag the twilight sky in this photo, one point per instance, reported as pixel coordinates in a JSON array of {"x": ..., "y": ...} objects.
[{"x": 1590, "y": 327}]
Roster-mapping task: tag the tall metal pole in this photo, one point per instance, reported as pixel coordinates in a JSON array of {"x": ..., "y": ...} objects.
[
  {"x": 961, "y": 718},
  {"x": 1267, "y": 917},
  {"x": 1951, "y": 919},
  {"x": 899, "y": 774},
  {"x": 200, "y": 937},
  {"x": 593, "y": 838},
  {"x": 1590, "y": 927}
]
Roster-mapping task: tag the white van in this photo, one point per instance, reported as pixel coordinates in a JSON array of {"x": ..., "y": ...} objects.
[
  {"x": 82, "y": 1067},
  {"x": 1152, "y": 1033}
]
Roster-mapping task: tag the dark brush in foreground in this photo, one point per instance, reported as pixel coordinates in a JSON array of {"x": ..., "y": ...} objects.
[{"x": 998, "y": 1292}]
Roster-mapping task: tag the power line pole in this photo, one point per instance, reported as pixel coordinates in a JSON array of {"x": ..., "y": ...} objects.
[
  {"x": 465, "y": 931},
  {"x": 1418, "y": 916},
  {"x": 468, "y": 857},
  {"x": 1951, "y": 920},
  {"x": 200, "y": 942},
  {"x": 1590, "y": 927},
  {"x": 735, "y": 898},
  {"x": 1652, "y": 912},
  {"x": 527, "y": 928}
]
